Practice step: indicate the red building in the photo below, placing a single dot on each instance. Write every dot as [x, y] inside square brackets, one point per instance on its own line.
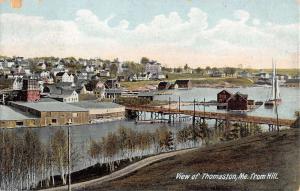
[223, 96]
[30, 90]
[238, 101]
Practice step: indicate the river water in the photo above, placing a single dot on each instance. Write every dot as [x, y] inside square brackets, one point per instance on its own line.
[286, 110]
[81, 135]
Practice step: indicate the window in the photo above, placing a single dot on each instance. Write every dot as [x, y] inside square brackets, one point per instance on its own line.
[54, 121]
[19, 123]
[74, 114]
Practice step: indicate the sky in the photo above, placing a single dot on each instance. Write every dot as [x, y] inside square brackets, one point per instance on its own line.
[200, 33]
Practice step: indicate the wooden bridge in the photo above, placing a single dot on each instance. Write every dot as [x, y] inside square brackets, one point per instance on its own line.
[215, 115]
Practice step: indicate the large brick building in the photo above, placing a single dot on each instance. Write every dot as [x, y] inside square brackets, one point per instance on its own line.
[30, 91]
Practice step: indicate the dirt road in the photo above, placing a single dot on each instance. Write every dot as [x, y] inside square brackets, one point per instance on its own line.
[123, 172]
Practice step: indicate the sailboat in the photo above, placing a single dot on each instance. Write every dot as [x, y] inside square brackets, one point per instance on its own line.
[275, 97]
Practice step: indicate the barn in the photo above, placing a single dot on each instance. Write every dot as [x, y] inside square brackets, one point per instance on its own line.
[184, 84]
[163, 85]
[238, 101]
[223, 96]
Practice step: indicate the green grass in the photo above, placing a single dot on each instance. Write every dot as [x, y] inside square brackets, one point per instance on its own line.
[232, 81]
[195, 81]
[176, 76]
[138, 84]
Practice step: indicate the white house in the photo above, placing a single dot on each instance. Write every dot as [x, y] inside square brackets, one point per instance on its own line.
[27, 70]
[67, 77]
[48, 80]
[144, 76]
[83, 76]
[18, 83]
[99, 90]
[66, 96]
[85, 91]
[104, 73]
[153, 68]
[89, 68]
[64, 77]
[41, 66]
[44, 74]
[9, 63]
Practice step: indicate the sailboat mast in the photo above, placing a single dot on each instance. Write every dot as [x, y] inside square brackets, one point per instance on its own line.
[273, 81]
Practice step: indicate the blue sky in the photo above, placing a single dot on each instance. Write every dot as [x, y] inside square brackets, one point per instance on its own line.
[213, 32]
[139, 11]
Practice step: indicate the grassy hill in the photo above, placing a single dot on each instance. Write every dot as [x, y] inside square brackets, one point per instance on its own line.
[268, 152]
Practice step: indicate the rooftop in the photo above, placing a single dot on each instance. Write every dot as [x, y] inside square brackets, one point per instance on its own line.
[50, 106]
[95, 104]
[8, 113]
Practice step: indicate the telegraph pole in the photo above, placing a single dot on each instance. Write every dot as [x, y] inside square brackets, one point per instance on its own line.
[194, 121]
[179, 104]
[169, 110]
[204, 111]
[69, 158]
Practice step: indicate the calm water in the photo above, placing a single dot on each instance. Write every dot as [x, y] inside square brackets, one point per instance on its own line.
[81, 135]
[290, 99]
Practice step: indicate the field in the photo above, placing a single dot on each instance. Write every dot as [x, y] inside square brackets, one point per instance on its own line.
[195, 81]
[138, 84]
[223, 81]
[269, 152]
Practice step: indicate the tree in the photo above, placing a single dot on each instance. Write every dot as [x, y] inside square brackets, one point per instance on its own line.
[229, 71]
[186, 66]
[199, 70]
[113, 69]
[165, 138]
[144, 60]
[60, 153]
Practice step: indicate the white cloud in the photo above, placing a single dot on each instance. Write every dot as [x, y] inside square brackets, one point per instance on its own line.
[169, 38]
[242, 15]
[256, 22]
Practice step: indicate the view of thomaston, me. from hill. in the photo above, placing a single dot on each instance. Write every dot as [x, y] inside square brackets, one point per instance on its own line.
[149, 95]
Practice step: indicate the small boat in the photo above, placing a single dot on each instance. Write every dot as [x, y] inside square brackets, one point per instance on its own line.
[259, 103]
[275, 97]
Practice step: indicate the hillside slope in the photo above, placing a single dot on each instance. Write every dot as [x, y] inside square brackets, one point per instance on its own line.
[269, 152]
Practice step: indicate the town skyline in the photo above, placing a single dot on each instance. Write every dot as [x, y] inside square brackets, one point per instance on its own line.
[173, 32]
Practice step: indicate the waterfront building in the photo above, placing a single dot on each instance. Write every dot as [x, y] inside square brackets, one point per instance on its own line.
[163, 85]
[101, 110]
[238, 101]
[10, 118]
[222, 98]
[54, 113]
[184, 84]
